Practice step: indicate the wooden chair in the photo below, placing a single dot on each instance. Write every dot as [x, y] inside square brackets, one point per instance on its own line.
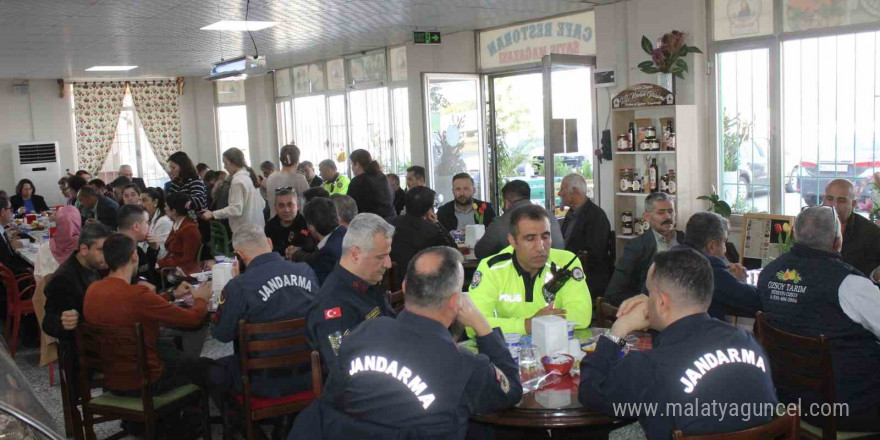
[604, 314]
[802, 363]
[100, 350]
[19, 302]
[396, 300]
[784, 427]
[288, 335]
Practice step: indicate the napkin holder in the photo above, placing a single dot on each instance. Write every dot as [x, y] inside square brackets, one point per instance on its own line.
[550, 334]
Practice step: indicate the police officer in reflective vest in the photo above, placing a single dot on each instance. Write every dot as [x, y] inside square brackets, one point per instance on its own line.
[272, 289]
[704, 375]
[529, 279]
[350, 293]
[334, 182]
[408, 374]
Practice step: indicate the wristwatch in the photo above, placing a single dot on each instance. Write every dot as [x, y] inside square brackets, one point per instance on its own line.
[621, 342]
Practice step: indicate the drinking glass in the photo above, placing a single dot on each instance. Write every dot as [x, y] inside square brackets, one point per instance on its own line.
[528, 362]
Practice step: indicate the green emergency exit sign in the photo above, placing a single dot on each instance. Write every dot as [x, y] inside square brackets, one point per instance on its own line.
[426, 37]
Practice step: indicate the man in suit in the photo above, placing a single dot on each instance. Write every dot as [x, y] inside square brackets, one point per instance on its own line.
[320, 214]
[126, 171]
[97, 208]
[465, 209]
[586, 228]
[515, 194]
[632, 270]
[861, 237]
[417, 229]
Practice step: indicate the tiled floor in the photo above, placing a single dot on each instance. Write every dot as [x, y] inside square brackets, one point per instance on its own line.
[27, 360]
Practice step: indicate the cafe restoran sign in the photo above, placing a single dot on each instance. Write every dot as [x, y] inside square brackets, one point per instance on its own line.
[527, 43]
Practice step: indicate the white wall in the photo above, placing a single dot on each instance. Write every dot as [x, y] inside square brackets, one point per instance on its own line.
[262, 126]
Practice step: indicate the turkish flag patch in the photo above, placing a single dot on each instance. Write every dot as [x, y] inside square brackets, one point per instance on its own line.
[333, 313]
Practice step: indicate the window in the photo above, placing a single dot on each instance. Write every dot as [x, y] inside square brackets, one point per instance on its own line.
[311, 127]
[284, 112]
[131, 147]
[232, 126]
[370, 128]
[338, 131]
[831, 116]
[401, 142]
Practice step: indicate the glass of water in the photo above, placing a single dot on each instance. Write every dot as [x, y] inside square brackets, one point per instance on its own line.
[528, 362]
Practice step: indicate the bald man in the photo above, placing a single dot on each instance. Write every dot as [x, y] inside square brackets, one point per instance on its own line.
[861, 238]
[586, 228]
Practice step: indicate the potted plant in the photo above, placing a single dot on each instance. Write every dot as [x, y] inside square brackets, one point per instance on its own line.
[719, 206]
[667, 58]
[736, 131]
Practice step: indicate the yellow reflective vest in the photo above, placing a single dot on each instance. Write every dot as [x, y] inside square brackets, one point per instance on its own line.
[339, 185]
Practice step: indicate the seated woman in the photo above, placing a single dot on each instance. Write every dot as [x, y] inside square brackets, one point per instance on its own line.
[153, 200]
[184, 240]
[26, 200]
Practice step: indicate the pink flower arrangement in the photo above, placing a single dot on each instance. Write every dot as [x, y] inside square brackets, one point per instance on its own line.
[669, 56]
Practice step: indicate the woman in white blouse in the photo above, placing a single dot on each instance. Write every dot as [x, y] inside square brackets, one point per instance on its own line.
[153, 200]
[245, 202]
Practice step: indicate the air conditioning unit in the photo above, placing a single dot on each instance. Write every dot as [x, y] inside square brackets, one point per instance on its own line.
[39, 162]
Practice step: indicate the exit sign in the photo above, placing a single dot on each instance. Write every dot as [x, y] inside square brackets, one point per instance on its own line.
[426, 37]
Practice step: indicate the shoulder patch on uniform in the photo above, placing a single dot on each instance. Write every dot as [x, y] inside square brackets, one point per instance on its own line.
[339, 184]
[222, 299]
[501, 378]
[333, 313]
[578, 274]
[373, 313]
[478, 276]
[498, 259]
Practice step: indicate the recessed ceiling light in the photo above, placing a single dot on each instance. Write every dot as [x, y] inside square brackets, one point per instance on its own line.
[239, 25]
[109, 68]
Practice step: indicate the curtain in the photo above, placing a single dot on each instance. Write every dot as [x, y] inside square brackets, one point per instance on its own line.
[96, 109]
[158, 110]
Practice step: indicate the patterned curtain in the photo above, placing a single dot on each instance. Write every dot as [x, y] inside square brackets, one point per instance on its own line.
[157, 108]
[96, 109]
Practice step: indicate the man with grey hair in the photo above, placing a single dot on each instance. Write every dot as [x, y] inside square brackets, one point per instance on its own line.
[272, 289]
[351, 293]
[346, 208]
[586, 228]
[631, 271]
[811, 291]
[416, 350]
[126, 171]
[861, 237]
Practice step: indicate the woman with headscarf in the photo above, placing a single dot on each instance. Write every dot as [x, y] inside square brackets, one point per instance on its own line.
[51, 254]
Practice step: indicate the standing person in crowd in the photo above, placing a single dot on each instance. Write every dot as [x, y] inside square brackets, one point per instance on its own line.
[706, 232]
[449, 384]
[369, 188]
[515, 194]
[631, 271]
[128, 172]
[210, 180]
[415, 177]
[399, 193]
[131, 195]
[811, 291]
[680, 291]
[26, 200]
[351, 293]
[255, 297]
[267, 168]
[334, 181]
[465, 209]
[184, 240]
[153, 200]
[417, 229]
[288, 230]
[307, 169]
[287, 177]
[74, 184]
[586, 228]
[245, 203]
[185, 179]
[320, 215]
[346, 208]
[97, 208]
[202, 168]
[861, 237]
[113, 301]
[134, 223]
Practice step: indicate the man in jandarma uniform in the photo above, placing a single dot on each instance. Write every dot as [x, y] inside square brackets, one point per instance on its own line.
[509, 287]
[405, 377]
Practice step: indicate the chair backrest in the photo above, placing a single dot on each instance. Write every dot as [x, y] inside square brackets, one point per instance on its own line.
[281, 344]
[14, 295]
[113, 351]
[605, 314]
[799, 363]
[396, 299]
[219, 242]
[785, 427]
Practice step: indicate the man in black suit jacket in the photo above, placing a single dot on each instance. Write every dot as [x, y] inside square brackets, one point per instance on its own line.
[632, 270]
[320, 214]
[586, 228]
[861, 237]
[97, 207]
[465, 205]
[126, 171]
[416, 230]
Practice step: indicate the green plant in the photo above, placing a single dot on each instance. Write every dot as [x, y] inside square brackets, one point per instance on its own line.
[669, 56]
[719, 206]
[735, 132]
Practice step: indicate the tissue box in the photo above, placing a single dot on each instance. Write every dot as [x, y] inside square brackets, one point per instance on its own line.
[550, 334]
[473, 234]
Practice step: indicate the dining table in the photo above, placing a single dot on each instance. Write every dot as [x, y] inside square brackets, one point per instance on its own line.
[29, 251]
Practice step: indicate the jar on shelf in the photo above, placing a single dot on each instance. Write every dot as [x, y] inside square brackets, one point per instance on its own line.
[671, 184]
[653, 144]
[626, 179]
[623, 143]
[664, 183]
[637, 183]
[637, 228]
[626, 221]
[650, 132]
[645, 225]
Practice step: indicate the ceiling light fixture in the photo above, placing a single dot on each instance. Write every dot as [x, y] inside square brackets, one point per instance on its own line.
[110, 68]
[239, 25]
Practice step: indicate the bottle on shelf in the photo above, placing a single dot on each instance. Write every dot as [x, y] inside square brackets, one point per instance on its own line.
[632, 136]
[670, 137]
[653, 176]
